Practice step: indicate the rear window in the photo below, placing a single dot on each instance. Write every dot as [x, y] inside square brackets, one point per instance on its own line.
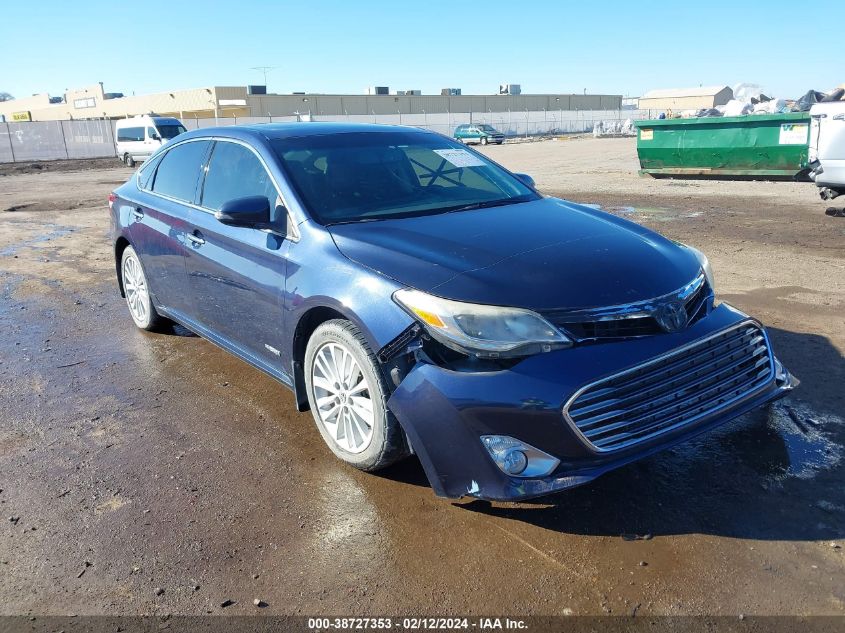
[179, 170]
[128, 134]
[146, 173]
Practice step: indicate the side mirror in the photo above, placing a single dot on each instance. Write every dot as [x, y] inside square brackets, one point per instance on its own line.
[252, 211]
[155, 137]
[526, 179]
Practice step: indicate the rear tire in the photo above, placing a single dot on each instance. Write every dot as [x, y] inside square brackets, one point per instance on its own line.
[128, 160]
[348, 396]
[137, 292]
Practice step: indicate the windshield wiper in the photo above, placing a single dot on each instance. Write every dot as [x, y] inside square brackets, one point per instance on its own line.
[484, 205]
[423, 212]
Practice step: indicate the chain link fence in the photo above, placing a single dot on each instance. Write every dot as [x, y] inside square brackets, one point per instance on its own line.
[55, 140]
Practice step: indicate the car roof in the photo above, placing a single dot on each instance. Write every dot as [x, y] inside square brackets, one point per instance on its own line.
[274, 131]
[144, 119]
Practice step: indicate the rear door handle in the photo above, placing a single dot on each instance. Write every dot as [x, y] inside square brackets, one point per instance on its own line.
[839, 117]
[196, 238]
[138, 213]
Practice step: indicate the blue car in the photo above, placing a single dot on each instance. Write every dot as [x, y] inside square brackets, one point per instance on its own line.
[422, 300]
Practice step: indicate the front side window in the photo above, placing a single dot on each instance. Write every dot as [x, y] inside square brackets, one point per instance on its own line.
[171, 131]
[234, 171]
[129, 134]
[151, 133]
[179, 170]
[361, 176]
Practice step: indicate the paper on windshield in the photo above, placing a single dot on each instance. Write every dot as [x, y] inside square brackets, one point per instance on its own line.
[460, 157]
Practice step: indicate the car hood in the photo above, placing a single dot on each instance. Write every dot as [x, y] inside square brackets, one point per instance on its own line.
[544, 254]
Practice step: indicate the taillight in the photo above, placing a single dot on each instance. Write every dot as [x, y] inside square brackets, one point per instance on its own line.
[112, 198]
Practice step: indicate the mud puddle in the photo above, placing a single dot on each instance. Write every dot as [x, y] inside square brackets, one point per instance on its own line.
[52, 231]
[807, 440]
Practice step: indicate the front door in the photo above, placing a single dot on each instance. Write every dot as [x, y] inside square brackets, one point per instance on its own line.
[237, 274]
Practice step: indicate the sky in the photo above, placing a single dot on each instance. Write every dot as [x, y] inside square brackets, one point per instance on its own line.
[606, 47]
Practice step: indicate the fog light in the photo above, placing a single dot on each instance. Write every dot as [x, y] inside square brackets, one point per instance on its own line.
[518, 459]
[514, 461]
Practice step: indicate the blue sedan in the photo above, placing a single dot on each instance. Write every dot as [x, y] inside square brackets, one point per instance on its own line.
[419, 299]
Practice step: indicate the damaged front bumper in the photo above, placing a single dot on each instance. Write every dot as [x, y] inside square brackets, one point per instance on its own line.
[445, 412]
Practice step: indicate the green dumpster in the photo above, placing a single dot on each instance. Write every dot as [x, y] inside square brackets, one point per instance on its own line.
[769, 145]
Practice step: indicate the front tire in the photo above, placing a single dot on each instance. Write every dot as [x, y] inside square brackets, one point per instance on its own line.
[137, 292]
[348, 396]
[484, 140]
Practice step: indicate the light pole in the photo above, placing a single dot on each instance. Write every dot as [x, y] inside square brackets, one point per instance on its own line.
[560, 114]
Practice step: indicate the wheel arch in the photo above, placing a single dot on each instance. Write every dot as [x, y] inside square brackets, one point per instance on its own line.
[308, 322]
[120, 245]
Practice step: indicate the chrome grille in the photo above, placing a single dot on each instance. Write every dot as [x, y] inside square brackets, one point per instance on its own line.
[631, 320]
[672, 390]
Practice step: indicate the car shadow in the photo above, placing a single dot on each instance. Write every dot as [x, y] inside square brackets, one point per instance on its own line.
[179, 330]
[773, 474]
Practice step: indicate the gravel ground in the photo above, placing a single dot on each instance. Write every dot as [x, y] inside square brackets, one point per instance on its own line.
[155, 474]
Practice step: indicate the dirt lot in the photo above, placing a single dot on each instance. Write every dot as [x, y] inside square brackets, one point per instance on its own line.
[131, 462]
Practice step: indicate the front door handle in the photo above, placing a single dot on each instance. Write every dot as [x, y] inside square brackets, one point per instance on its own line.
[138, 213]
[839, 117]
[196, 238]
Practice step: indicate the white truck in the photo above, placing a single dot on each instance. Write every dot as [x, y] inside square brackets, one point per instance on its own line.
[827, 148]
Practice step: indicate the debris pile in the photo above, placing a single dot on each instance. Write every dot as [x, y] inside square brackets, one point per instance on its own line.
[749, 99]
[614, 128]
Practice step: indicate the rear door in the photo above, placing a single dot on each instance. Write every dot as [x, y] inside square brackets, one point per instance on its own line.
[237, 274]
[160, 221]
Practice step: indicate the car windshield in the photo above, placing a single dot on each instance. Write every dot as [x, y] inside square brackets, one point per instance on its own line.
[362, 176]
[170, 131]
[487, 128]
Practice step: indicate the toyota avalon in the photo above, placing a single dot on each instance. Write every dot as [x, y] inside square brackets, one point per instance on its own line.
[420, 299]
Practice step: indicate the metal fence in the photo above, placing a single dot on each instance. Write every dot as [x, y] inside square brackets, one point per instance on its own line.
[53, 140]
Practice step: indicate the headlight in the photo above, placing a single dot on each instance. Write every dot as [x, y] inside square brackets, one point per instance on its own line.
[705, 266]
[481, 330]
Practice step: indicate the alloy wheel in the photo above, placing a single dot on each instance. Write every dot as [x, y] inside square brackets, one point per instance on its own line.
[342, 395]
[135, 288]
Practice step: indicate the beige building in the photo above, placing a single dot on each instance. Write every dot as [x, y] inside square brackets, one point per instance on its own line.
[686, 98]
[93, 103]
[235, 101]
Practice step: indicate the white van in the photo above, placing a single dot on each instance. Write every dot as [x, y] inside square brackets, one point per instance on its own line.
[827, 148]
[138, 137]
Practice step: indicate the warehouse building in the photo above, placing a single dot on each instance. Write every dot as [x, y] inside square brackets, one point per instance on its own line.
[686, 98]
[93, 102]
